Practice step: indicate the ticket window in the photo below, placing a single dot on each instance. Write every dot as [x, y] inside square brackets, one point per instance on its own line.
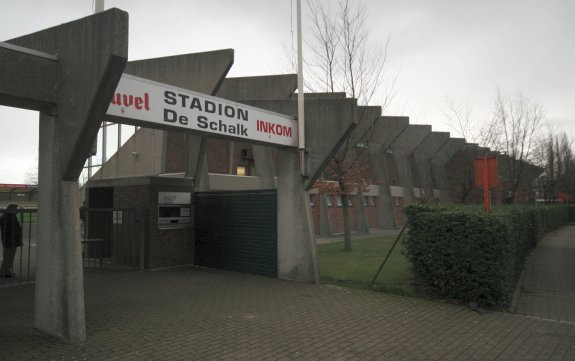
[174, 209]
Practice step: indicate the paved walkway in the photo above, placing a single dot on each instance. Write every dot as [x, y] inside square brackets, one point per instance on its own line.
[202, 314]
[547, 288]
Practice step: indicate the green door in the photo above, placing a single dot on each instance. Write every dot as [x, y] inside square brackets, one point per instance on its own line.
[237, 231]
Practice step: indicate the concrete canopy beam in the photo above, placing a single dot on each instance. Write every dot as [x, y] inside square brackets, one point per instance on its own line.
[387, 129]
[92, 53]
[270, 87]
[452, 146]
[29, 78]
[176, 152]
[202, 72]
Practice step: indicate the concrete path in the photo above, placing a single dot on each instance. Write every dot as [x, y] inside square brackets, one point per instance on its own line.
[547, 287]
[202, 314]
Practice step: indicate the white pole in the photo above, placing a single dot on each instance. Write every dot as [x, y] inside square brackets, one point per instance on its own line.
[300, 94]
[99, 7]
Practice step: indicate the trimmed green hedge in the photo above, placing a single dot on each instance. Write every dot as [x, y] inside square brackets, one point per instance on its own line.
[462, 253]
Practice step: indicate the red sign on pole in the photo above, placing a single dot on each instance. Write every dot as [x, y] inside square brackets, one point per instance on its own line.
[489, 165]
[486, 177]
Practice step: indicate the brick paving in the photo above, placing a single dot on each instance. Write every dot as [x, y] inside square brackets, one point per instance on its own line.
[203, 314]
[547, 288]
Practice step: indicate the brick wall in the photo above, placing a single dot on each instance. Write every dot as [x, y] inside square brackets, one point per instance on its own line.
[163, 247]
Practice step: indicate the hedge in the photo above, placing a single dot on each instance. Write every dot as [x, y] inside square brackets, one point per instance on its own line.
[462, 253]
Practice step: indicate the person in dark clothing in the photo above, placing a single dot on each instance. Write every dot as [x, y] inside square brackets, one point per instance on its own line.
[11, 233]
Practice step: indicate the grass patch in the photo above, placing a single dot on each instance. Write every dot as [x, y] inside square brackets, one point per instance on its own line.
[357, 268]
[28, 217]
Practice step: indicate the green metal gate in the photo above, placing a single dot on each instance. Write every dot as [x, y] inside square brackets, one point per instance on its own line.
[237, 231]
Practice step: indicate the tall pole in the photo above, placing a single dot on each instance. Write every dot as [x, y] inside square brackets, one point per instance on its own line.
[300, 94]
[99, 6]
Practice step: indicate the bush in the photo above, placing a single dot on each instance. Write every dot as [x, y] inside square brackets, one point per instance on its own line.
[463, 254]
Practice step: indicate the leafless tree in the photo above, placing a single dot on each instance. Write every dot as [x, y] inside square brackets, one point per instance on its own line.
[343, 59]
[513, 131]
[555, 155]
[459, 118]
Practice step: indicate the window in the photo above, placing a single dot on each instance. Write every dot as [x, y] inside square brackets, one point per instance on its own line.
[365, 201]
[372, 201]
[349, 202]
[339, 202]
[329, 200]
[312, 200]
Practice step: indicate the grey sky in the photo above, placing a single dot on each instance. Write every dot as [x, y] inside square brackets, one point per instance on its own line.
[464, 49]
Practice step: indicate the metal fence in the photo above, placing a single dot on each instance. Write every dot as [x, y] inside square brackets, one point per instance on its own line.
[113, 237]
[18, 263]
[110, 238]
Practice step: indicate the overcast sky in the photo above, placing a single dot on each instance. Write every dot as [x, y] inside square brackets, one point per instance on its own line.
[462, 49]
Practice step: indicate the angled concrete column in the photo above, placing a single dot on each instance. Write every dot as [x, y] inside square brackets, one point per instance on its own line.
[402, 148]
[91, 55]
[386, 130]
[296, 240]
[196, 162]
[328, 123]
[438, 164]
[421, 162]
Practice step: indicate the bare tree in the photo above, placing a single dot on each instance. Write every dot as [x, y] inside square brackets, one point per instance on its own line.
[513, 131]
[458, 117]
[343, 59]
[555, 155]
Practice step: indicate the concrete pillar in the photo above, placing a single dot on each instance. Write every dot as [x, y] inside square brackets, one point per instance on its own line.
[324, 224]
[296, 239]
[421, 158]
[386, 215]
[386, 131]
[402, 148]
[362, 221]
[59, 306]
[265, 168]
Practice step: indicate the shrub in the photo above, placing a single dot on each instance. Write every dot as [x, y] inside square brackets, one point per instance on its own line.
[463, 254]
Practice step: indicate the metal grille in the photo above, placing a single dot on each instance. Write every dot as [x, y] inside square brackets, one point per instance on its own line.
[237, 231]
[113, 237]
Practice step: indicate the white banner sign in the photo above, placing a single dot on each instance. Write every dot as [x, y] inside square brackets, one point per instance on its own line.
[166, 105]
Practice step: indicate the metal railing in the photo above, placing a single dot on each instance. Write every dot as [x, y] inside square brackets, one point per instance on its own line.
[110, 238]
[22, 258]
